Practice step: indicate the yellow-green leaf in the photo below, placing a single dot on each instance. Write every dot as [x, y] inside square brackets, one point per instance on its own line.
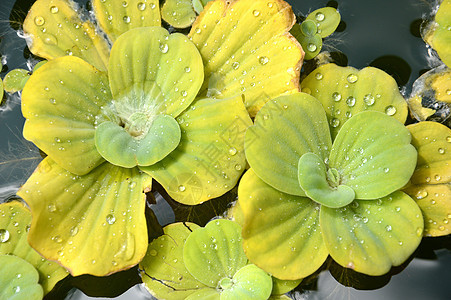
[326, 19]
[15, 80]
[56, 29]
[281, 232]
[372, 236]
[178, 13]
[116, 17]
[346, 91]
[60, 102]
[91, 224]
[247, 49]
[164, 272]
[15, 221]
[210, 157]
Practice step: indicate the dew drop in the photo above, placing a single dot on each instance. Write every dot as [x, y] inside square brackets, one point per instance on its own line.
[419, 231]
[311, 47]
[183, 93]
[336, 96]
[448, 139]
[238, 167]
[164, 48]
[235, 65]
[256, 13]
[369, 99]
[126, 19]
[39, 21]
[437, 177]
[110, 219]
[52, 100]
[263, 60]
[141, 6]
[74, 231]
[386, 170]
[319, 76]
[187, 69]
[232, 151]
[4, 235]
[352, 78]
[182, 188]
[390, 110]
[388, 228]
[441, 150]
[320, 17]
[51, 207]
[441, 228]
[334, 122]
[124, 3]
[16, 289]
[54, 9]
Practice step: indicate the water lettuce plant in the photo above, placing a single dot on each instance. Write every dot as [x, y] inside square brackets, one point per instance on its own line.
[189, 262]
[316, 194]
[113, 121]
[32, 268]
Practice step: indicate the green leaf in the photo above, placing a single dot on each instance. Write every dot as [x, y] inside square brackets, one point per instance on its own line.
[306, 34]
[280, 287]
[214, 252]
[281, 232]
[320, 185]
[60, 102]
[15, 80]
[15, 220]
[179, 14]
[438, 34]
[18, 279]
[39, 64]
[246, 49]
[210, 157]
[373, 155]
[55, 29]
[117, 17]
[293, 125]
[250, 282]
[91, 224]
[372, 236]
[345, 91]
[118, 147]
[205, 294]
[165, 274]
[199, 5]
[326, 19]
[432, 141]
[153, 72]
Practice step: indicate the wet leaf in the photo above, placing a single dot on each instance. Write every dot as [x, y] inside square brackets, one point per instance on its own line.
[165, 274]
[311, 42]
[215, 252]
[18, 279]
[280, 287]
[432, 141]
[430, 181]
[438, 35]
[199, 5]
[345, 91]
[15, 80]
[15, 220]
[373, 155]
[292, 125]
[281, 232]
[60, 102]
[91, 224]
[39, 64]
[372, 236]
[56, 30]
[321, 185]
[179, 14]
[417, 109]
[247, 49]
[206, 293]
[210, 157]
[250, 282]
[326, 19]
[155, 72]
[118, 147]
[117, 17]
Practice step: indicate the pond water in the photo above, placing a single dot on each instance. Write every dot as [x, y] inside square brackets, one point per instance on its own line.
[384, 34]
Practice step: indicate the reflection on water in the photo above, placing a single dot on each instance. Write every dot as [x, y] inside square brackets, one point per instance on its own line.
[384, 34]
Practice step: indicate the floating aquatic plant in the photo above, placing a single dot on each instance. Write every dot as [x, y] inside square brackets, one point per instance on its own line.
[317, 25]
[16, 79]
[190, 262]
[15, 221]
[311, 196]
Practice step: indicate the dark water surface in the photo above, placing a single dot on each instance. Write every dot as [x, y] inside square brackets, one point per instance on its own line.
[383, 33]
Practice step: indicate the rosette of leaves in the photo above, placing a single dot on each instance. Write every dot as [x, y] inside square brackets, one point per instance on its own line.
[438, 33]
[189, 262]
[102, 132]
[430, 183]
[317, 25]
[23, 272]
[313, 194]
